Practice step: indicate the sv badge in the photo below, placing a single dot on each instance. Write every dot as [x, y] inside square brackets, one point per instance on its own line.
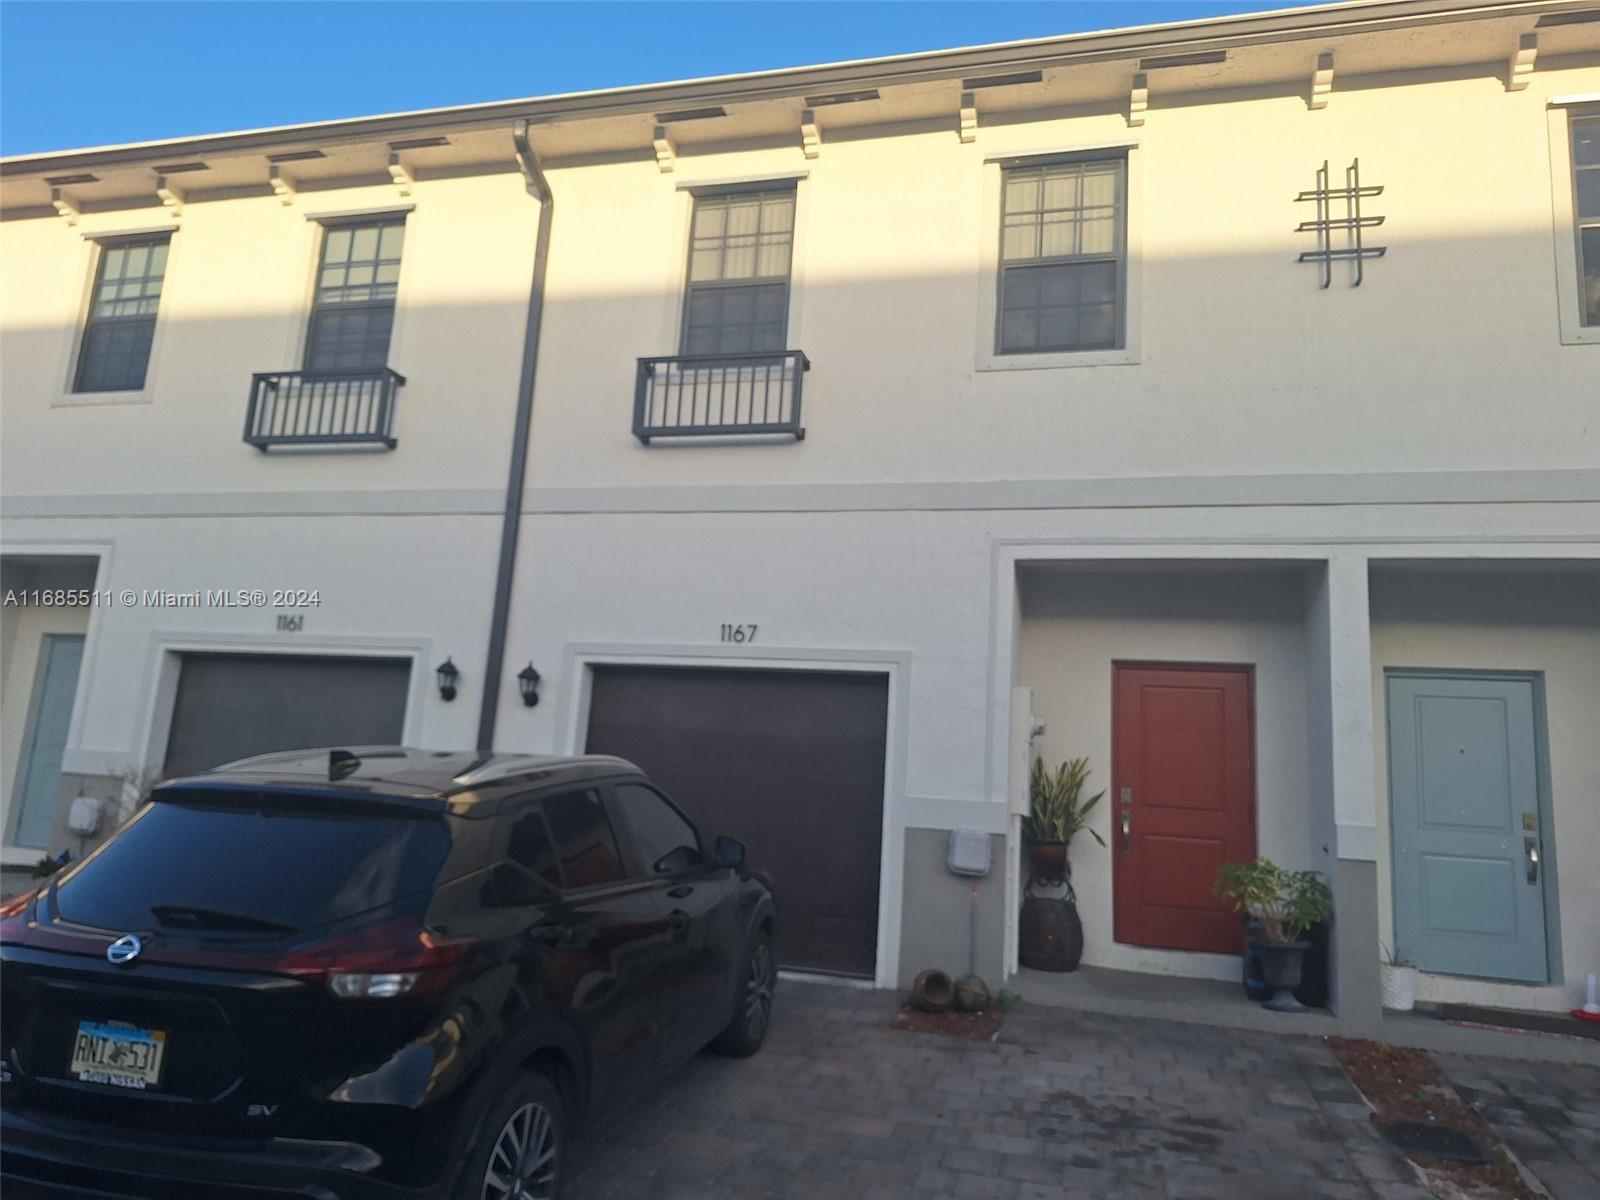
[260, 1110]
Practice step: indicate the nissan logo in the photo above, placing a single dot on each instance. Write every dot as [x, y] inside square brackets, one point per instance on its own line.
[124, 950]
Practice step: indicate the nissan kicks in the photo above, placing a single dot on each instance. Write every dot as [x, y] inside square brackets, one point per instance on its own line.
[367, 973]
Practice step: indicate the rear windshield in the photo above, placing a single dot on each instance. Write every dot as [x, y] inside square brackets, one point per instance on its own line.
[235, 869]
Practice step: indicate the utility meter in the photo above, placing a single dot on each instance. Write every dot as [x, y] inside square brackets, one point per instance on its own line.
[969, 852]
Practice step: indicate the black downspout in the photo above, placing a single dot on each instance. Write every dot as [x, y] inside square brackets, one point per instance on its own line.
[511, 523]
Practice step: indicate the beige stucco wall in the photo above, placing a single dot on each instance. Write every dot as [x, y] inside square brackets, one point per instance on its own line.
[1543, 619]
[236, 300]
[1077, 622]
[1244, 365]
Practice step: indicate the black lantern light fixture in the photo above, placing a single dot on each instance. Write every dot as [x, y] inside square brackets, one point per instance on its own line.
[528, 683]
[448, 673]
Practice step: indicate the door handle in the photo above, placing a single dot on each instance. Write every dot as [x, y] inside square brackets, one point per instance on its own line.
[678, 922]
[1530, 847]
[682, 890]
[551, 935]
[1127, 828]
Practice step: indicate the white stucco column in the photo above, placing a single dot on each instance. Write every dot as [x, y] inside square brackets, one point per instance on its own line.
[1349, 634]
[1340, 676]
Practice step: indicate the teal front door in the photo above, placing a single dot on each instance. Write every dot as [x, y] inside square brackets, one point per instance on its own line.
[1465, 815]
[39, 782]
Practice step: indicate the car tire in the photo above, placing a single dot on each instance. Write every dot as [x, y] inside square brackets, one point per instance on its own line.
[752, 1011]
[520, 1147]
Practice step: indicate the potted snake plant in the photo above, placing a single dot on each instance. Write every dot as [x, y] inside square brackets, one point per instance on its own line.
[1057, 811]
[1283, 905]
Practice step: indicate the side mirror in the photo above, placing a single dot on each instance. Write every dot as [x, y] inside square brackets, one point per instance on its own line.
[509, 886]
[679, 858]
[730, 852]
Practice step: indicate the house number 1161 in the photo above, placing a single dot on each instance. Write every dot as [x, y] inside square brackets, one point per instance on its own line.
[739, 633]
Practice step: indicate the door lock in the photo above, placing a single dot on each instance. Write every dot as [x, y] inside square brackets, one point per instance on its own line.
[1530, 847]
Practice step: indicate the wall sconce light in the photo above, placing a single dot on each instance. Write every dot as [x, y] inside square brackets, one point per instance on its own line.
[448, 673]
[528, 683]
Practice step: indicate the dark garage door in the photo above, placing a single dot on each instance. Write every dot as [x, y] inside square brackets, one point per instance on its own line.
[791, 763]
[233, 705]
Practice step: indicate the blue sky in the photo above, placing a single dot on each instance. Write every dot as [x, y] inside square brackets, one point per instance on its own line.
[90, 73]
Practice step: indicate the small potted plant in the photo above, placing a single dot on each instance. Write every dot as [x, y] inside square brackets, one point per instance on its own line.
[1397, 982]
[1057, 811]
[1284, 905]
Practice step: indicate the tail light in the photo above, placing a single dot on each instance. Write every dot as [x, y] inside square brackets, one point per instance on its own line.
[14, 918]
[380, 962]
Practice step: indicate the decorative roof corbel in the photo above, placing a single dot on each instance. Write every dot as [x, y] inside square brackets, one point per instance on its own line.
[1520, 72]
[171, 196]
[666, 152]
[66, 206]
[1322, 80]
[810, 135]
[400, 173]
[969, 117]
[1138, 99]
[282, 186]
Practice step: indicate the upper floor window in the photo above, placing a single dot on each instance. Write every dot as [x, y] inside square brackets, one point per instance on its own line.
[352, 314]
[1063, 238]
[739, 254]
[1586, 192]
[115, 352]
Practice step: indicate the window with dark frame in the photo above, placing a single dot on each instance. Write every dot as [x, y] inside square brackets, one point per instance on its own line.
[115, 353]
[740, 247]
[352, 312]
[1586, 209]
[1063, 238]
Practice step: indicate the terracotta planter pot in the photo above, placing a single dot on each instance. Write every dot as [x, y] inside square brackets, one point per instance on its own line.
[1047, 862]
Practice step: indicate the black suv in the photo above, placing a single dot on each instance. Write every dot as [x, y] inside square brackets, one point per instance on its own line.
[369, 973]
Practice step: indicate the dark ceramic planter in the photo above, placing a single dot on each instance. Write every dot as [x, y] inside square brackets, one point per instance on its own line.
[1280, 970]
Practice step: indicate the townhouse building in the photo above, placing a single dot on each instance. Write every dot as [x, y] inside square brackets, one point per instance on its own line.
[1217, 400]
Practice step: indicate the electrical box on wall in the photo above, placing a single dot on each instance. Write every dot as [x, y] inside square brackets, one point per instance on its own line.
[83, 816]
[969, 852]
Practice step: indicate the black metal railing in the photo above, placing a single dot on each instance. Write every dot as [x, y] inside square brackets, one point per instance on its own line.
[322, 408]
[719, 395]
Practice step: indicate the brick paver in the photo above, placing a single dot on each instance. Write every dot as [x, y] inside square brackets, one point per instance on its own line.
[1064, 1106]
[1548, 1116]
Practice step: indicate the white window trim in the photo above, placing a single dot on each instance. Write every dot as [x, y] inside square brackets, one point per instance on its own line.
[988, 290]
[1564, 220]
[93, 247]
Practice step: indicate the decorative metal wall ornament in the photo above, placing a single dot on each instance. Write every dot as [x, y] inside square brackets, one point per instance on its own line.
[1352, 223]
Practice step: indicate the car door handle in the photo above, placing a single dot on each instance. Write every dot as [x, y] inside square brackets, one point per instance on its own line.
[682, 890]
[1530, 847]
[1127, 829]
[678, 922]
[551, 935]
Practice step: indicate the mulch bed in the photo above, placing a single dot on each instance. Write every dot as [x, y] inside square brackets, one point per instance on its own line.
[1404, 1086]
[974, 1027]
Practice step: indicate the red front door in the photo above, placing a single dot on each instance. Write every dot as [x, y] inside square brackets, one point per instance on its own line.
[1183, 801]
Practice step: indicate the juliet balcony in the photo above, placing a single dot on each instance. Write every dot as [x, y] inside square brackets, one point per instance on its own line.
[720, 396]
[322, 409]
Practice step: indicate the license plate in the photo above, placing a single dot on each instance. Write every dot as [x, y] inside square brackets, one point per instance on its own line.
[117, 1054]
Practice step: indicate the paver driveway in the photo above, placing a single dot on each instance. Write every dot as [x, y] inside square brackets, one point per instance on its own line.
[1066, 1105]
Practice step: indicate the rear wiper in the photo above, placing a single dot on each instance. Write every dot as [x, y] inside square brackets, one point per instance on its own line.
[188, 916]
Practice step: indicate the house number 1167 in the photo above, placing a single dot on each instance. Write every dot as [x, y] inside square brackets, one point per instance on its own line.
[739, 633]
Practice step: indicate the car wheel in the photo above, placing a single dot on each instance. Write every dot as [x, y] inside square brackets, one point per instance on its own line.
[521, 1146]
[758, 977]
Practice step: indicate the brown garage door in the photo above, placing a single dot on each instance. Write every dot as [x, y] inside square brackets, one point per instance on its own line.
[234, 705]
[791, 763]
